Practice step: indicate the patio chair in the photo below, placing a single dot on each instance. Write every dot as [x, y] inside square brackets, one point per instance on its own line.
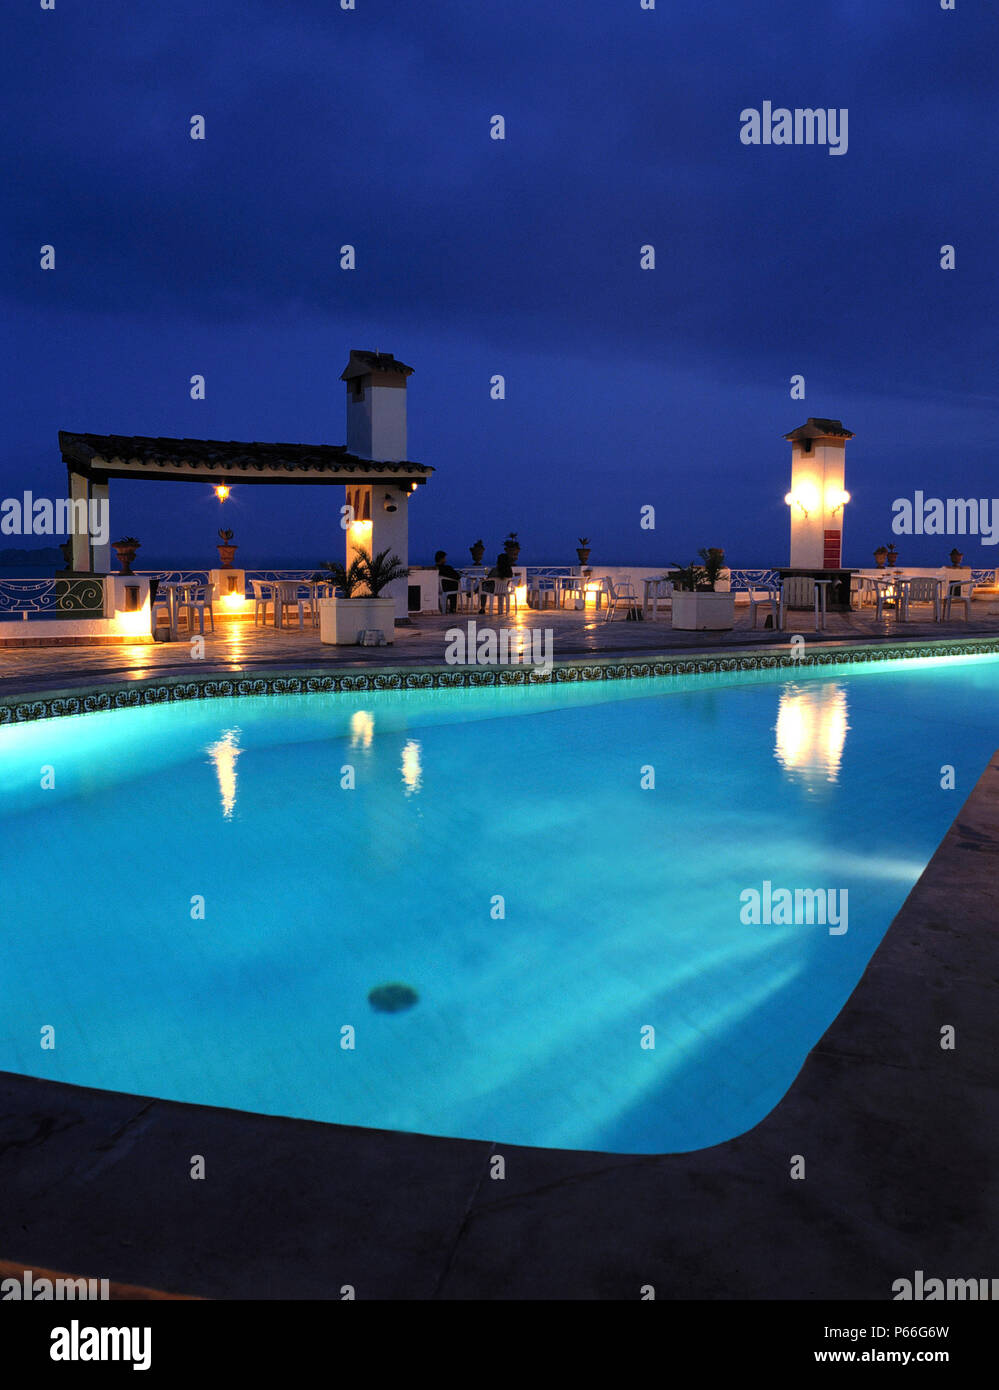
[958, 591]
[198, 599]
[543, 587]
[621, 595]
[920, 589]
[499, 596]
[263, 596]
[659, 591]
[767, 596]
[160, 605]
[799, 591]
[453, 591]
[290, 595]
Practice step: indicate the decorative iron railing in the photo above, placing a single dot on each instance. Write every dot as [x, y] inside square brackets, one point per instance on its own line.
[52, 598]
[742, 580]
[984, 579]
[277, 576]
[176, 576]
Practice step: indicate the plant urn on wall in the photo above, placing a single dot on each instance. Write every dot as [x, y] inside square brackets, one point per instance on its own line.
[956, 558]
[512, 547]
[125, 550]
[583, 550]
[477, 549]
[226, 549]
[880, 555]
[892, 555]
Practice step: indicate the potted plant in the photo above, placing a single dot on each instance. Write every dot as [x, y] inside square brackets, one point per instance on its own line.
[697, 606]
[226, 549]
[583, 550]
[125, 550]
[956, 558]
[880, 556]
[512, 547]
[892, 555]
[343, 618]
[477, 549]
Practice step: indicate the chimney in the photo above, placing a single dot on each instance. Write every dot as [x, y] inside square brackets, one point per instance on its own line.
[376, 406]
[817, 498]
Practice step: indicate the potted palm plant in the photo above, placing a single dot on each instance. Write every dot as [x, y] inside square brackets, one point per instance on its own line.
[512, 547]
[880, 556]
[892, 555]
[477, 549]
[343, 618]
[956, 558]
[226, 549]
[697, 605]
[125, 550]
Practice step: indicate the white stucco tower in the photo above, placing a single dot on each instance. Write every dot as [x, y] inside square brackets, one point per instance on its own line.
[818, 495]
[376, 430]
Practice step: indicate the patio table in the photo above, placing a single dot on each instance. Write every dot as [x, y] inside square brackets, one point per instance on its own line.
[176, 594]
[287, 591]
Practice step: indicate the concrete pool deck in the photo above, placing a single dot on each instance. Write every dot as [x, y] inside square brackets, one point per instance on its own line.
[897, 1134]
[239, 648]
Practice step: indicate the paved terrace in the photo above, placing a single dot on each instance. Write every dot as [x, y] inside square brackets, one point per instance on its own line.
[238, 646]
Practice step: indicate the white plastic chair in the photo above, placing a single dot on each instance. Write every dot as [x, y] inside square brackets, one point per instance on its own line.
[958, 591]
[919, 589]
[798, 591]
[197, 598]
[444, 594]
[768, 596]
[289, 595]
[498, 598]
[543, 587]
[660, 591]
[620, 595]
[263, 596]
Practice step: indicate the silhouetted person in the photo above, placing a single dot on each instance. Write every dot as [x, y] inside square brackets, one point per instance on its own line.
[450, 581]
[503, 569]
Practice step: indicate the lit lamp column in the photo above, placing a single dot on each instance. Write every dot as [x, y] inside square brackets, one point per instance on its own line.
[817, 497]
[377, 431]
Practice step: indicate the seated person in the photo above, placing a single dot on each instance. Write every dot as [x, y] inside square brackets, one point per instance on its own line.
[450, 580]
[503, 569]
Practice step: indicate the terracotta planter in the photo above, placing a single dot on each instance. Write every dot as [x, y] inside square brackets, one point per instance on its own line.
[227, 553]
[956, 558]
[892, 558]
[476, 552]
[513, 551]
[880, 556]
[584, 554]
[126, 554]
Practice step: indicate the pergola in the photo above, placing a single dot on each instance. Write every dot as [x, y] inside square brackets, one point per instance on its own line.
[93, 460]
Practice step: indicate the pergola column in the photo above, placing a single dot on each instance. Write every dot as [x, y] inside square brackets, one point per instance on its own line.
[100, 555]
[79, 543]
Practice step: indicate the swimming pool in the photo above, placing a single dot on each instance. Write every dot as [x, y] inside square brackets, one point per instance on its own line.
[505, 856]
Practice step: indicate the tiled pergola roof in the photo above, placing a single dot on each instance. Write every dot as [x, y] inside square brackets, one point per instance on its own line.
[225, 461]
[816, 428]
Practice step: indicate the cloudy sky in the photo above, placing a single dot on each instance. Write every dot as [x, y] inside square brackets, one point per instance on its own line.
[519, 257]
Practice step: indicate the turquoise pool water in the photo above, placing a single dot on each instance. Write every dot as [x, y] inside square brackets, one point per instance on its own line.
[622, 904]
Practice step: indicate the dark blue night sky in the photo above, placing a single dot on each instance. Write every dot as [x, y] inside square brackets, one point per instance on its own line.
[520, 257]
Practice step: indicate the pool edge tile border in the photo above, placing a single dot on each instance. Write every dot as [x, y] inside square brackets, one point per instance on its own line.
[99, 696]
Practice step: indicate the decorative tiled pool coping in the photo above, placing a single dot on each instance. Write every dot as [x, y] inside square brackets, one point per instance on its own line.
[100, 696]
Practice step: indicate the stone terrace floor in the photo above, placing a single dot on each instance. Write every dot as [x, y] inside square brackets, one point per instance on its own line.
[239, 646]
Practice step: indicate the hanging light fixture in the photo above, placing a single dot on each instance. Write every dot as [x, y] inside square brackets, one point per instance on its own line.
[222, 491]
